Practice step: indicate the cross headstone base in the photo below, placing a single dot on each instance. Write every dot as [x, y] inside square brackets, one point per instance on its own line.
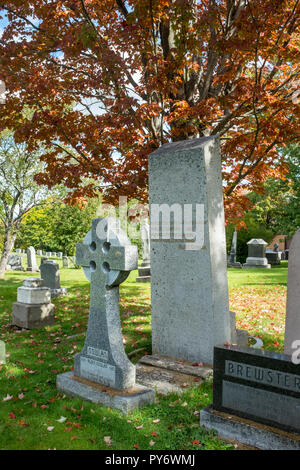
[126, 401]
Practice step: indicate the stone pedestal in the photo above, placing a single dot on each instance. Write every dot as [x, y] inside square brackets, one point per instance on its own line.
[257, 254]
[33, 308]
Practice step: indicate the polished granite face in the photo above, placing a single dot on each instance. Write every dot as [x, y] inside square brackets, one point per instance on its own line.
[263, 386]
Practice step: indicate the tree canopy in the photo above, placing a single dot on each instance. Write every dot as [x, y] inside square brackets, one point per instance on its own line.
[108, 81]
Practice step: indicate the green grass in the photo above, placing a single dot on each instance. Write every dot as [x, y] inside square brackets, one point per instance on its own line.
[30, 405]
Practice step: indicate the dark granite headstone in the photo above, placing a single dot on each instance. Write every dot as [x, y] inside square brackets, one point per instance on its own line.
[262, 386]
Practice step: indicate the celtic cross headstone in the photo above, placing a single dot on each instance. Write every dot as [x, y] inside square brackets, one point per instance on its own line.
[107, 257]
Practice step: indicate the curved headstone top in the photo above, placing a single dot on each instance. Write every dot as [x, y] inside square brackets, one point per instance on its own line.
[257, 241]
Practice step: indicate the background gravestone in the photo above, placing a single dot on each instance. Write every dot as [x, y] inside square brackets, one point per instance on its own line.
[50, 275]
[256, 254]
[232, 262]
[107, 258]
[31, 260]
[33, 308]
[2, 353]
[292, 322]
[65, 261]
[144, 270]
[189, 288]
[14, 262]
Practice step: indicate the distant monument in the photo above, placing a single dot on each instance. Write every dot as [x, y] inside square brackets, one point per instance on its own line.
[144, 271]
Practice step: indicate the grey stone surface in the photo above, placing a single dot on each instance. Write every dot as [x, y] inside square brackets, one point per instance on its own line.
[31, 260]
[44, 259]
[65, 262]
[107, 258]
[145, 236]
[2, 352]
[14, 262]
[273, 257]
[33, 282]
[292, 322]
[248, 432]
[33, 295]
[141, 395]
[39, 252]
[190, 309]
[50, 275]
[32, 316]
[256, 254]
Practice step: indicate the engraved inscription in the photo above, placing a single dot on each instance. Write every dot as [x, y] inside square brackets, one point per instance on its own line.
[96, 352]
[97, 371]
[272, 406]
[262, 375]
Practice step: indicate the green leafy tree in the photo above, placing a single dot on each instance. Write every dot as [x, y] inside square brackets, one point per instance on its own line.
[18, 191]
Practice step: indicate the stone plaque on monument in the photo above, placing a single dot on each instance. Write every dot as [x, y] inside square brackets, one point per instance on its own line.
[189, 287]
[107, 258]
[261, 386]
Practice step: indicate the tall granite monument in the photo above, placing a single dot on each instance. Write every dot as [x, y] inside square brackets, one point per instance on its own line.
[189, 287]
[292, 322]
[102, 372]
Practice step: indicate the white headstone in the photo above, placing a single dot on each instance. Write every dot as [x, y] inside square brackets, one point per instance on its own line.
[292, 322]
[31, 260]
[189, 288]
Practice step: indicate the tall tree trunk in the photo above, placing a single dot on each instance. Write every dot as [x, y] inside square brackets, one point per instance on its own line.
[9, 241]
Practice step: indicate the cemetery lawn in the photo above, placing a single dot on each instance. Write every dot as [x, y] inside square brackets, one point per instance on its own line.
[33, 415]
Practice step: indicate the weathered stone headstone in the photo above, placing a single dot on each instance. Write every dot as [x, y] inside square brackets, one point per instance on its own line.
[107, 258]
[232, 262]
[65, 261]
[44, 259]
[273, 257]
[39, 252]
[2, 353]
[48, 254]
[31, 260]
[18, 250]
[189, 288]
[60, 254]
[33, 308]
[256, 385]
[256, 254]
[292, 321]
[14, 263]
[50, 274]
[144, 271]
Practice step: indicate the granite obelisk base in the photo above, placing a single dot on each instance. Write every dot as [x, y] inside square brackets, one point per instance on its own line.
[125, 401]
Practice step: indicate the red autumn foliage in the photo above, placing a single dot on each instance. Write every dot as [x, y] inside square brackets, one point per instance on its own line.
[120, 78]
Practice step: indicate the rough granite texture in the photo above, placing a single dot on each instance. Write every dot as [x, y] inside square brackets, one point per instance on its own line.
[33, 295]
[292, 322]
[247, 432]
[32, 316]
[190, 309]
[2, 353]
[140, 397]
